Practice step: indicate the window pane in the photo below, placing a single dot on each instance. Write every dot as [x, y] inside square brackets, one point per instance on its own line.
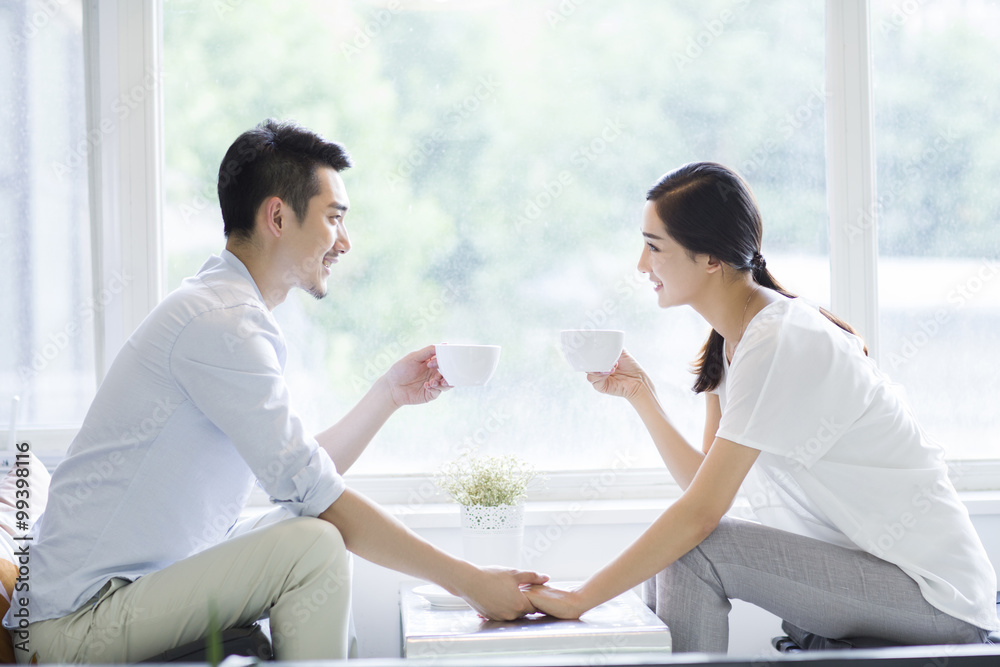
[503, 152]
[47, 343]
[937, 98]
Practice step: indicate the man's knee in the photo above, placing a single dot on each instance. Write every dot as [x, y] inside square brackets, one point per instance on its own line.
[321, 549]
[322, 534]
[306, 533]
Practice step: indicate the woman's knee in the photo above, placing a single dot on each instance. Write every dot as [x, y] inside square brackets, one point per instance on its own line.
[696, 567]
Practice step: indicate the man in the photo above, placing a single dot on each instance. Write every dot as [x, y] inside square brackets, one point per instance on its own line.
[138, 540]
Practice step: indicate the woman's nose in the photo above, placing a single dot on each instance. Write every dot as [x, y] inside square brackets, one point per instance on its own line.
[642, 266]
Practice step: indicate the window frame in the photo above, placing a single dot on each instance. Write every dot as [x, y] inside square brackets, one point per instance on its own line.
[123, 63]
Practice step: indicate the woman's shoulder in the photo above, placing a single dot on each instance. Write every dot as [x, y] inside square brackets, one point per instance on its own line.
[795, 326]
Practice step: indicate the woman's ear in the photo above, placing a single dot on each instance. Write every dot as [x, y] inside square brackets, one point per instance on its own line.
[713, 264]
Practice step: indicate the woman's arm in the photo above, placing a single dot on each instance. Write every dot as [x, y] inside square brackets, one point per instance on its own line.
[679, 529]
[629, 380]
[713, 415]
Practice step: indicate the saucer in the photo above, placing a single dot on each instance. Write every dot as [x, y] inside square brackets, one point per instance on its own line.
[440, 598]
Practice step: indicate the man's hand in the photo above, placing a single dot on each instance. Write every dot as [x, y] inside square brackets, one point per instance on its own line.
[415, 378]
[496, 594]
[554, 602]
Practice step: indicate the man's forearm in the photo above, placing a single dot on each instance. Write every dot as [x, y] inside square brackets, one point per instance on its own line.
[346, 440]
[373, 534]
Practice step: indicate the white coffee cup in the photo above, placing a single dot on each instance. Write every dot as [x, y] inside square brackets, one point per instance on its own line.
[592, 350]
[467, 365]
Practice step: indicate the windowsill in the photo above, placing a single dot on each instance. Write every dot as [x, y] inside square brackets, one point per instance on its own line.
[543, 513]
[632, 497]
[613, 512]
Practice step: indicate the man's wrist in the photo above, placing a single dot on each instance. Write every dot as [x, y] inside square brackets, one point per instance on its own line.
[382, 391]
[462, 577]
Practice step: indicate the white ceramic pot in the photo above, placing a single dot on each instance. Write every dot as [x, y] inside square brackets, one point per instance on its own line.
[493, 535]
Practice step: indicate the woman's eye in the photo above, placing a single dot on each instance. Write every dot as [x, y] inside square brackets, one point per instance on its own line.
[652, 248]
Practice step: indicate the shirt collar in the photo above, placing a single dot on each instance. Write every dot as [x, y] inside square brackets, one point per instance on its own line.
[234, 262]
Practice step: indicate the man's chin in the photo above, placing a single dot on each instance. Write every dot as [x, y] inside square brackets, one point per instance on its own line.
[317, 291]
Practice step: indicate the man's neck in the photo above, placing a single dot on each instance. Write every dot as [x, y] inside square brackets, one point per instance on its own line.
[271, 287]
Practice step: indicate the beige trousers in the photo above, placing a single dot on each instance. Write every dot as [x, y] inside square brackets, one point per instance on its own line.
[297, 570]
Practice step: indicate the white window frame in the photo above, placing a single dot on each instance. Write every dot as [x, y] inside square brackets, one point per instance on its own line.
[123, 66]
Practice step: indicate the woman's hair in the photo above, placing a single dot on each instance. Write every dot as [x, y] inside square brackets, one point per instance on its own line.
[709, 210]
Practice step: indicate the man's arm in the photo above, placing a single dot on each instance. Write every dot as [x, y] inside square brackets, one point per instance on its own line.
[376, 536]
[411, 380]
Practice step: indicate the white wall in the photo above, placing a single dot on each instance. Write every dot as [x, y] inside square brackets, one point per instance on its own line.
[577, 552]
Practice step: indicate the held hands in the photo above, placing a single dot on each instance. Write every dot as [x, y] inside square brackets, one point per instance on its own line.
[415, 378]
[554, 602]
[496, 594]
[625, 379]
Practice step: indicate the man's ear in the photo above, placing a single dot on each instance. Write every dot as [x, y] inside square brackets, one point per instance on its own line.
[273, 213]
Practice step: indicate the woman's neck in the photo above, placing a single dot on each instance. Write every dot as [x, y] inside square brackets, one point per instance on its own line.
[730, 307]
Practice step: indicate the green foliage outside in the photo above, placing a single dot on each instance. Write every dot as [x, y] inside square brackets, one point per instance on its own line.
[502, 154]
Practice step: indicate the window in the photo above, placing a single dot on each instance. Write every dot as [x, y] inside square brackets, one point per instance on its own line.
[47, 305]
[937, 140]
[496, 197]
[503, 151]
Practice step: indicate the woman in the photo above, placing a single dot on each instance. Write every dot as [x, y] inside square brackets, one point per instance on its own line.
[861, 533]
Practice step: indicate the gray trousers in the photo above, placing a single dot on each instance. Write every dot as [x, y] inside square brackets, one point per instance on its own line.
[814, 586]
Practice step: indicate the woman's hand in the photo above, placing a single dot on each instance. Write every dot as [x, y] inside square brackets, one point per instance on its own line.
[625, 379]
[415, 378]
[554, 602]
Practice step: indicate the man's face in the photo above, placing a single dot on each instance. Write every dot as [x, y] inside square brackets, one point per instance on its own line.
[312, 245]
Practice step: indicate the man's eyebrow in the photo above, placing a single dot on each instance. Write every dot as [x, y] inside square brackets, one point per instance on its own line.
[339, 207]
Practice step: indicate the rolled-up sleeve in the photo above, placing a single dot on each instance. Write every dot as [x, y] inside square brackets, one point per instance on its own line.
[228, 362]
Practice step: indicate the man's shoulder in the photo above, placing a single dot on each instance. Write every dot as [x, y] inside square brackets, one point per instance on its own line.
[215, 297]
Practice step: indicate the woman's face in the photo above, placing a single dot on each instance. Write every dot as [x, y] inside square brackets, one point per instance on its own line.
[676, 277]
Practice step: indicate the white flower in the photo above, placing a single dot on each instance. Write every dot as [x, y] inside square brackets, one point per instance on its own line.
[486, 480]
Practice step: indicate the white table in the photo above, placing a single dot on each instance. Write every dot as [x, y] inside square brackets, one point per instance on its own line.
[619, 626]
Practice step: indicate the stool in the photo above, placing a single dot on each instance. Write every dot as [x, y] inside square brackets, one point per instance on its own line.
[797, 640]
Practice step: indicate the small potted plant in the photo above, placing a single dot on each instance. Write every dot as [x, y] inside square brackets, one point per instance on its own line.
[491, 492]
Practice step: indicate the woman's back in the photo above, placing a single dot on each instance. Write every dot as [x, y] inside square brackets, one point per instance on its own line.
[843, 459]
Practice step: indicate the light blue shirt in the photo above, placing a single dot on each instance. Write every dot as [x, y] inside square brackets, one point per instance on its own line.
[192, 412]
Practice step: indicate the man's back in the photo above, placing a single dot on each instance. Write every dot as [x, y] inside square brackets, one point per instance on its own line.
[152, 476]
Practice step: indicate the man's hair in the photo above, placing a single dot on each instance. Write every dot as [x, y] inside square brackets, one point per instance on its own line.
[274, 159]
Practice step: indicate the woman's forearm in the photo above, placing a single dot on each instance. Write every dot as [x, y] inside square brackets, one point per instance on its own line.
[678, 530]
[681, 458]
